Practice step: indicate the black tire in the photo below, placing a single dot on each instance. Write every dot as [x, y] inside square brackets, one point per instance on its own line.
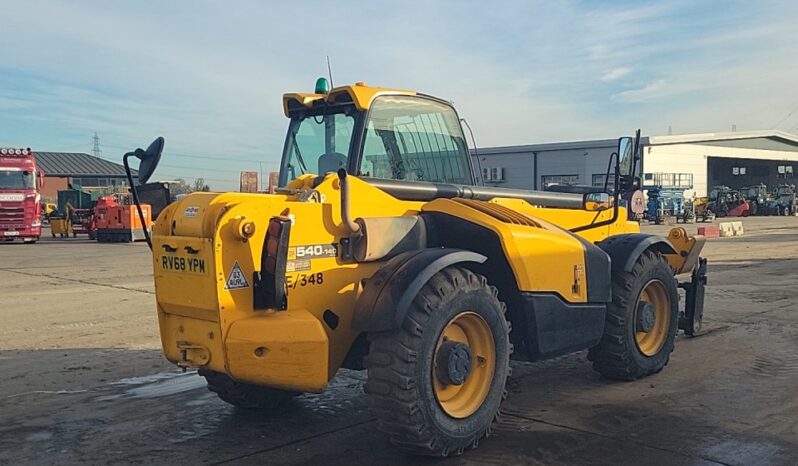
[244, 395]
[401, 364]
[618, 356]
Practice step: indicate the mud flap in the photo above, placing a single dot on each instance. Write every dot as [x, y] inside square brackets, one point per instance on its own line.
[691, 318]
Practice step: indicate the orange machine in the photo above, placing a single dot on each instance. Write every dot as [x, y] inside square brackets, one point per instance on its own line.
[119, 223]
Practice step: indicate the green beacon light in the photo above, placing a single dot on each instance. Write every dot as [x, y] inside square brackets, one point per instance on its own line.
[322, 86]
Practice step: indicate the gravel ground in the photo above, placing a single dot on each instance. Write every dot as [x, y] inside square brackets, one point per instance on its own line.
[85, 380]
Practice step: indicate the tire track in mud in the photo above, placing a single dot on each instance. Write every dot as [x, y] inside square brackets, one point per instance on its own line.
[75, 280]
[737, 409]
[564, 444]
[320, 435]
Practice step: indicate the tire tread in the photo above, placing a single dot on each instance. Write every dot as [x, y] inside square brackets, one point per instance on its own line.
[391, 365]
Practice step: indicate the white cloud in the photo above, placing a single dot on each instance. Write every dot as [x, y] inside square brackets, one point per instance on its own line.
[209, 76]
[615, 73]
[650, 91]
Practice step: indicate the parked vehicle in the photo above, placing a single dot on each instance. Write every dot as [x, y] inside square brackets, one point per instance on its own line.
[664, 204]
[702, 210]
[758, 198]
[784, 200]
[354, 262]
[689, 215]
[20, 201]
[727, 202]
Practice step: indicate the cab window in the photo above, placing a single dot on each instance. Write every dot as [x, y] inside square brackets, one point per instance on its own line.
[318, 144]
[414, 139]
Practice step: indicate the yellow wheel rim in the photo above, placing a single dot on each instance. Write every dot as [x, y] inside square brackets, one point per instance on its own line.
[650, 342]
[463, 400]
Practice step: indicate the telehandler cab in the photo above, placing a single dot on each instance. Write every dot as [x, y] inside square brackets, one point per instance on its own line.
[381, 252]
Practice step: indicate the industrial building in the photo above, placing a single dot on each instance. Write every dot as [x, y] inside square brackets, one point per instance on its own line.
[64, 170]
[694, 162]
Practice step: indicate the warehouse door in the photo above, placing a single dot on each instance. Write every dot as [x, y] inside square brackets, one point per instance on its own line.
[736, 173]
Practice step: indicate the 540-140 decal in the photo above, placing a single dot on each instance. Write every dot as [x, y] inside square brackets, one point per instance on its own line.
[313, 251]
[299, 257]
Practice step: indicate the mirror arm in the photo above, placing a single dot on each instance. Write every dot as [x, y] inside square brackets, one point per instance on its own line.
[610, 221]
[135, 193]
[636, 150]
[616, 195]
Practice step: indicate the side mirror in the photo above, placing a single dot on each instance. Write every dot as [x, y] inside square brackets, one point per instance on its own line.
[41, 178]
[596, 202]
[148, 163]
[625, 149]
[149, 159]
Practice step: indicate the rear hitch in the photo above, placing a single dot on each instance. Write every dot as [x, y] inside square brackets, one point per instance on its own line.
[192, 355]
[691, 319]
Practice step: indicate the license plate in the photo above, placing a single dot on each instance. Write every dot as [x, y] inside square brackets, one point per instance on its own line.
[184, 264]
[10, 233]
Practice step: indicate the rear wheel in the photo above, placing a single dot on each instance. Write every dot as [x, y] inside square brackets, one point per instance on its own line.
[436, 383]
[642, 321]
[244, 395]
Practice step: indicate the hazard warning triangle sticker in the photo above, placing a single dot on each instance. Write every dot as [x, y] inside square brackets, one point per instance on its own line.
[236, 280]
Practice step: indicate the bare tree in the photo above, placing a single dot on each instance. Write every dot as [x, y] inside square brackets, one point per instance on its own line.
[180, 187]
[199, 185]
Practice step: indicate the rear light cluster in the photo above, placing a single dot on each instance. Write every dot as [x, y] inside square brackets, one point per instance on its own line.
[271, 289]
[8, 151]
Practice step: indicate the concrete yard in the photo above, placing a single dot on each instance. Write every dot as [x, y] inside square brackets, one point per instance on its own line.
[83, 379]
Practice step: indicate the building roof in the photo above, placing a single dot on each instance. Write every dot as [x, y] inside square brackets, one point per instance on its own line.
[776, 138]
[527, 148]
[728, 136]
[77, 164]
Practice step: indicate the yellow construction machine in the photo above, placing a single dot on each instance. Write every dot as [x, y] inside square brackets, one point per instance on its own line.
[381, 251]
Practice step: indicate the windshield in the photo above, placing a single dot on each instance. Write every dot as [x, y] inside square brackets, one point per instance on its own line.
[317, 144]
[415, 139]
[16, 179]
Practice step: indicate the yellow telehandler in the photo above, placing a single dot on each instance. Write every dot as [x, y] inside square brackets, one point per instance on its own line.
[381, 251]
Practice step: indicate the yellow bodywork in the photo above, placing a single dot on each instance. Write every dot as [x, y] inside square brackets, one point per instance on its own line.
[198, 247]
[61, 227]
[48, 208]
[361, 94]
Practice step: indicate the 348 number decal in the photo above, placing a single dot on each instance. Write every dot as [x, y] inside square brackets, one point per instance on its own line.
[305, 279]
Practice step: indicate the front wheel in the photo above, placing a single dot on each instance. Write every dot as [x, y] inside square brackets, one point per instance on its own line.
[642, 321]
[436, 383]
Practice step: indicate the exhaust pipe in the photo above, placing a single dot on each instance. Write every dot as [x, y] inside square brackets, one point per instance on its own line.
[354, 227]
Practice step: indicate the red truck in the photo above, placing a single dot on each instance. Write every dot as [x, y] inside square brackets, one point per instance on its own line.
[20, 201]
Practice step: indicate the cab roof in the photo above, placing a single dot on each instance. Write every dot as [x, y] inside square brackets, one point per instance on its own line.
[360, 94]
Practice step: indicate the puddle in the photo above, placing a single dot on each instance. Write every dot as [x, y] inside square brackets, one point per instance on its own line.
[39, 437]
[152, 378]
[746, 452]
[156, 385]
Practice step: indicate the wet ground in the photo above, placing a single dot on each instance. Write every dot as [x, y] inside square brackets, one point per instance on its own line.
[83, 380]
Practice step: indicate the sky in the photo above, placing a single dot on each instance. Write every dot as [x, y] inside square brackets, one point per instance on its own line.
[208, 75]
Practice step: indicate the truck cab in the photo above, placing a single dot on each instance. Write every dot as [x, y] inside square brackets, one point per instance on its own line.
[374, 133]
[20, 201]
